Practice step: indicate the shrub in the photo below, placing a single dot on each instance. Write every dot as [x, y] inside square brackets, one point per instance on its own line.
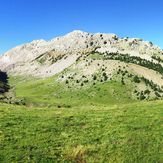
[142, 97]
[91, 43]
[136, 79]
[94, 77]
[146, 91]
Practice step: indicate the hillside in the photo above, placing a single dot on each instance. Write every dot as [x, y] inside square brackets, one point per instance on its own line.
[81, 60]
[82, 98]
[47, 58]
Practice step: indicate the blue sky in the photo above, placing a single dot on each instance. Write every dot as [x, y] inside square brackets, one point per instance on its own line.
[22, 21]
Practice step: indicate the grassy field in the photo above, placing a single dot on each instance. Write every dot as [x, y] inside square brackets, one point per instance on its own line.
[126, 133]
[93, 124]
[49, 92]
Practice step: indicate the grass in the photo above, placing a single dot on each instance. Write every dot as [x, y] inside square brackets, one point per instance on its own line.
[93, 124]
[126, 133]
[49, 92]
[96, 56]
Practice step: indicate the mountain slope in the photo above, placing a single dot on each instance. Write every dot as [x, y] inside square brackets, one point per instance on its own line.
[82, 61]
[47, 58]
[81, 95]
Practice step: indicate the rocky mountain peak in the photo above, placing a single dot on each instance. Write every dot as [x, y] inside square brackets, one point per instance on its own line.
[77, 32]
[61, 52]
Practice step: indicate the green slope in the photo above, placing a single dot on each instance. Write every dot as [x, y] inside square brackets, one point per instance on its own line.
[120, 133]
[101, 123]
[43, 92]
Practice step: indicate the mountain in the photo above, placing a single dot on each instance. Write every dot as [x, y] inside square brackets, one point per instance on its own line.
[82, 98]
[82, 60]
[46, 58]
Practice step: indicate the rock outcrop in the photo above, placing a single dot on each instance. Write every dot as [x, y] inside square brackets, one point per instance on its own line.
[46, 58]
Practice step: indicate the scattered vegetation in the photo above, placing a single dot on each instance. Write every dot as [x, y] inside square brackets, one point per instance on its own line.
[129, 59]
[49, 92]
[157, 58]
[50, 58]
[101, 123]
[136, 60]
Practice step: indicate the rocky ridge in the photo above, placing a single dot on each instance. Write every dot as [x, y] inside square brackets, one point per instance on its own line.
[46, 58]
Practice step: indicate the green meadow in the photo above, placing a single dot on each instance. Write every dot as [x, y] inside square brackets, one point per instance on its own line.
[95, 124]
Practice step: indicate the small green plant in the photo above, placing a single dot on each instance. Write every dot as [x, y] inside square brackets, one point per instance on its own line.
[136, 79]
[94, 77]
